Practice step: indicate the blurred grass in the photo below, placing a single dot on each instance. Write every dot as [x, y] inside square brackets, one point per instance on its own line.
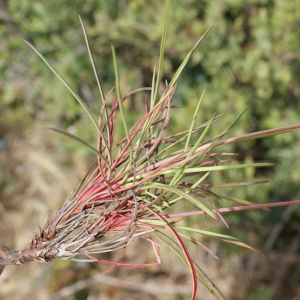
[251, 56]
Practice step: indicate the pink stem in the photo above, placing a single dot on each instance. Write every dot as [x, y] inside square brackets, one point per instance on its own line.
[229, 209]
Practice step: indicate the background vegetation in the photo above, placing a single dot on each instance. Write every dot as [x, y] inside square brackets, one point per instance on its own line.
[250, 57]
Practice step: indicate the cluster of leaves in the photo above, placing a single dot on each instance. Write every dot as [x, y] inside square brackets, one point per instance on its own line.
[140, 176]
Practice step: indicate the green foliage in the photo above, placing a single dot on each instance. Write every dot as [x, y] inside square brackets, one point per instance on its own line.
[263, 293]
[250, 57]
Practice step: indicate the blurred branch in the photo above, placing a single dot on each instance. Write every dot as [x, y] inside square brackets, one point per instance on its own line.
[146, 287]
[277, 229]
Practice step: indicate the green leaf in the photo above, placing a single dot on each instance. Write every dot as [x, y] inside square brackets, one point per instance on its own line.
[76, 96]
[184, 195]
[208, 233]
[74, 137]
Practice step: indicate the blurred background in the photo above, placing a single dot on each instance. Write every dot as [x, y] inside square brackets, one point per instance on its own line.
[250, 57]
